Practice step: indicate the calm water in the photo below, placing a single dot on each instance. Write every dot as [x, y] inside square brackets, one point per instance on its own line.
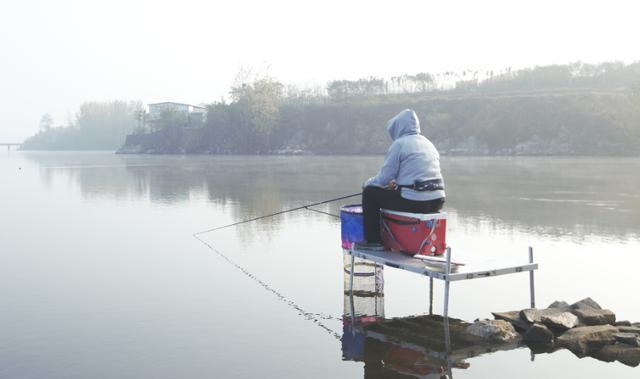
[101, 277]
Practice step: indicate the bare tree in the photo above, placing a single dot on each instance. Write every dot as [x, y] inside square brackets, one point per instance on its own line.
[46, 122]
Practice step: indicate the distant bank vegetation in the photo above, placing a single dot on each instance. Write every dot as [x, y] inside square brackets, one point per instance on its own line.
[576, 109]
[96, 126]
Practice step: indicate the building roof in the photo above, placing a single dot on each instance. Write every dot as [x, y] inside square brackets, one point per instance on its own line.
[171, 102]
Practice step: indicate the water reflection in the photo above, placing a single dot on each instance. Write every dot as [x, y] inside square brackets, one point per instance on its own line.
[555, 197]
[407, 347]
[548, 196]
[431, 346]
[109, 196]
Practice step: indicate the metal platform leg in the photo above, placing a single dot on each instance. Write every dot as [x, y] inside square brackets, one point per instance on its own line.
[430, 296]
[447, 335]
[532, 290]
[352, 307]
[353, 258]
[447, 347]
[446, 283]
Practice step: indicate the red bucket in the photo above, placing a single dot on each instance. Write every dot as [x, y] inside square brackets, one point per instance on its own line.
[414, 233]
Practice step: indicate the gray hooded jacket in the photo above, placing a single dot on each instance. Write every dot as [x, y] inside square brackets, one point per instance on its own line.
[411, 157]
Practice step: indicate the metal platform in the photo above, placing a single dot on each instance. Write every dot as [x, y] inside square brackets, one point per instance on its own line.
[448, 271]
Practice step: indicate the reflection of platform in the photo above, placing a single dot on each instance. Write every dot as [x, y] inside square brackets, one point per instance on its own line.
[424, 334]
[426, 346]
[448, 271]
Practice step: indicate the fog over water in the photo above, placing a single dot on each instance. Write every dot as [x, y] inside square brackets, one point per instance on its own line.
[101, 276]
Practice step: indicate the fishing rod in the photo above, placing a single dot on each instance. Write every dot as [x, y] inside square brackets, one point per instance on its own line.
[280, 212]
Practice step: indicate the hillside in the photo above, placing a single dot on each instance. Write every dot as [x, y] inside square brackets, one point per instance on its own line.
[559, 122]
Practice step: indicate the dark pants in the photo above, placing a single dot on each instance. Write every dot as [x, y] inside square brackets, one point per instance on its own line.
[374, 198]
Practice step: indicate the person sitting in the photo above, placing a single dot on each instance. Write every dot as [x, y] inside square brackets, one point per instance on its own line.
[409, 180]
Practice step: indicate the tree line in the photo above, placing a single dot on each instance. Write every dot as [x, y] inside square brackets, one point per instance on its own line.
[560, 109]
[96, 126]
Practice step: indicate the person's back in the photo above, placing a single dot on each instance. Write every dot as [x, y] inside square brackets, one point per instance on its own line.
[409, 180]
[419, 161]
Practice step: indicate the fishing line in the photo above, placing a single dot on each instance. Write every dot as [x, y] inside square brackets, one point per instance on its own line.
[316, 318]
[323, 212]
[278, 213]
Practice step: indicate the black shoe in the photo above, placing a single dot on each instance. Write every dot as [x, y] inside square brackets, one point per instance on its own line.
[364, 245]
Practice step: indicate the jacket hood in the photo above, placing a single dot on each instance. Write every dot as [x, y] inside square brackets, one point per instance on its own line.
[403, 124]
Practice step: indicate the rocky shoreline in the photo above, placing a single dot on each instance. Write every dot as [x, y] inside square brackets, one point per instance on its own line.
[584, 328]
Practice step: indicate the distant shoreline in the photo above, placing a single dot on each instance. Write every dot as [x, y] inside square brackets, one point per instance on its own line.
[577, 109]
[442, 154]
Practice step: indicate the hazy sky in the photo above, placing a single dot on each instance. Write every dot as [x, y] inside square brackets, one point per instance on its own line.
[56, 54]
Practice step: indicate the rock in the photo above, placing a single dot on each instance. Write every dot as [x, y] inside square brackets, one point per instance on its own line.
[622, 323]
[561, 321]
[561, 305]
[630, 356]
[586, 303]
[531, 315]
[608, 353]
[583, 340]
[541, 348]
[538, 334]
[627, 339]
[626, 354]
[629, 329]
[554, 318]
[512, 317]
[494, 330]
[592, 316]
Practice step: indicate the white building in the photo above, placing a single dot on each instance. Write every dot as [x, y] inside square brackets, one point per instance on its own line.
[195, 114]
[156, 109]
